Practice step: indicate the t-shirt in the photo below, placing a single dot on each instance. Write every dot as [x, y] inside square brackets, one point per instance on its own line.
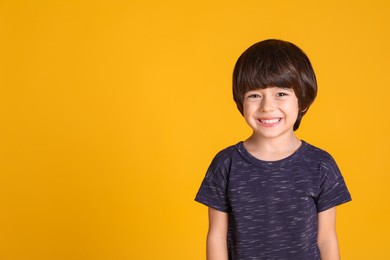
[273, 205]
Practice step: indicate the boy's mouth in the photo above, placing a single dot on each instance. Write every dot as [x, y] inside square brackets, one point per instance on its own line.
[270, 121]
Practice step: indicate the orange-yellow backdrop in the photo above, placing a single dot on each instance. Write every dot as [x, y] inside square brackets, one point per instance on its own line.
[111, 111]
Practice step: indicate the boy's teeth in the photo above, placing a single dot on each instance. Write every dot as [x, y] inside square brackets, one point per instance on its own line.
[271, 121]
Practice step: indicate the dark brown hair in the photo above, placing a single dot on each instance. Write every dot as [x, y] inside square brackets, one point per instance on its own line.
[275, 63]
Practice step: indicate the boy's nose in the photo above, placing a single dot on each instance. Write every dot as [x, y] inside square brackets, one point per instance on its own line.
[267, 104]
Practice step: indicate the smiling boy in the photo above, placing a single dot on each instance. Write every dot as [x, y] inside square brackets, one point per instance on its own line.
[273, 196]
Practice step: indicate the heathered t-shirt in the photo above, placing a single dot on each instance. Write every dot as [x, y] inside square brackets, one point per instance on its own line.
[273, 205]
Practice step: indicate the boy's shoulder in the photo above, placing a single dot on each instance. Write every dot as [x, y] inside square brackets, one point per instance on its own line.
[317, 153]
[219, 169]
[225, 155]
[228, 151]
[324, 162]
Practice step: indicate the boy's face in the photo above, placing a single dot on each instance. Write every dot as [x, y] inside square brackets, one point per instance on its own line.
[271, 112]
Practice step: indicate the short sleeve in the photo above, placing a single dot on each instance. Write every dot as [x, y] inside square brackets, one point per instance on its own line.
[213, 190]
[333, 190]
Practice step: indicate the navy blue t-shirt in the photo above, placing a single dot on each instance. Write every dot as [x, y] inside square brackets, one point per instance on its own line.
[273, 205]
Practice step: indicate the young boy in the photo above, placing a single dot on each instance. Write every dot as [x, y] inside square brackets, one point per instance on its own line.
[273, 196]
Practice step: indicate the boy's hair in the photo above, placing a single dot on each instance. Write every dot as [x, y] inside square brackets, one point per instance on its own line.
[275, 63]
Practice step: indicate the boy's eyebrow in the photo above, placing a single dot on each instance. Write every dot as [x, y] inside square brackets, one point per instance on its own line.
[286, 88]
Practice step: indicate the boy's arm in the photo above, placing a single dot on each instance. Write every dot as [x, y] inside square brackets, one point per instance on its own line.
[217, 235]
[327, 237]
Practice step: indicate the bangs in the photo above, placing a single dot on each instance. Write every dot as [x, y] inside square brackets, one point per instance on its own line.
[259, 77]
[268, 69]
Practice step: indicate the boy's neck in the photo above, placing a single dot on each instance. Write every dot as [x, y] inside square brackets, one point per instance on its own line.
[272, 149]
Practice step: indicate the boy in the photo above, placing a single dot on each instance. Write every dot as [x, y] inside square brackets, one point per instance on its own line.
[273, 196]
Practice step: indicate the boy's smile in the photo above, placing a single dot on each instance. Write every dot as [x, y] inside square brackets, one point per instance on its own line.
[269, 122]
[271, 112]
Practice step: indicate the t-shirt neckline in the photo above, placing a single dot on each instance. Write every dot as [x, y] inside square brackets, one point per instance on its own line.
[250, 158]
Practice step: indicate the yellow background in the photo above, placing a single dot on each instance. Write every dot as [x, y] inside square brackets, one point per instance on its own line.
[111, 111]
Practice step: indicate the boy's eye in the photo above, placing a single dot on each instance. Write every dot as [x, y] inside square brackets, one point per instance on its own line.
[254, 96]
[281, 94]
